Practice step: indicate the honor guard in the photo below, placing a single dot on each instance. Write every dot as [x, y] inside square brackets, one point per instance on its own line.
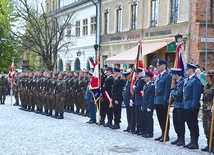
[191, 101]
[162, 93]
[138, 96]
[117, 98]
[129, 103]
[107, 95]
[15, 89]
[148, 105]
[178, 111]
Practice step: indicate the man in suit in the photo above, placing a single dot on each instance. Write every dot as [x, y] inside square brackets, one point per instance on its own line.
[107, 95]
[129, 103]
[117, 98]
[138, 89]
[148, 105]
[162, 93]
[191, 101]
[178, 111]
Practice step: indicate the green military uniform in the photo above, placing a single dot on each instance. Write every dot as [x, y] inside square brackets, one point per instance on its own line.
[74, 92]
[60, 97]
[207, 115]
[21, 91]
[38, 94]
[16, 91]
[47, 94]
[3, 88]
[53, 95]
[30, 93]
[69, 98]
[80, 94]
[44, 97]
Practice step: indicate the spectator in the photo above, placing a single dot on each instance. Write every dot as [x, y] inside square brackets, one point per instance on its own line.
[203, 79]
[198, 71]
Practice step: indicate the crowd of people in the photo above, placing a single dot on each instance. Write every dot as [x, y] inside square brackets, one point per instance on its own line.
[53, 93]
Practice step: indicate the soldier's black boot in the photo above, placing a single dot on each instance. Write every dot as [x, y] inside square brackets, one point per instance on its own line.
[115, 126]
[49, 113]
[108, 124]
[190, 143]
[16, 104]
[77, 111]
[181, 141]
[55, 115]
[60, 116]
[175, 142]
[45, 112]
[194, 144]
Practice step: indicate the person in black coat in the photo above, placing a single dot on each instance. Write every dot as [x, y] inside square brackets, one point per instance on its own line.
[148, 105]
[138, 89]
[117, 98]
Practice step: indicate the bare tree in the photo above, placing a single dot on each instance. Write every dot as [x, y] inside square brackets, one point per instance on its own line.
[43, 32]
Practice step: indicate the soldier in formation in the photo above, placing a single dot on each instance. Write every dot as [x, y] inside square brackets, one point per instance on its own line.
[3, 88]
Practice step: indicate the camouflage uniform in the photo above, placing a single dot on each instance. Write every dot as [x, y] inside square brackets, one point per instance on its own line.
[21, 91]
[3, 88]
[48, 98]
[38, 93]
[69, 98]
[15, 90]
[80, 95]
[207, 115]
[30, 93]
[53, 94]
[44, 98]
[60, 96]
[74, 92]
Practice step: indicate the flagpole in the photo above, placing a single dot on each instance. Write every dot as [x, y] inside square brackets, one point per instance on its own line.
[11, 86]
[211, 132]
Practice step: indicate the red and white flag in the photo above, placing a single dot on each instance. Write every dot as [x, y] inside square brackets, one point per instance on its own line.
[91, 64]
[140, 55]
[12, 71]
[94, 83]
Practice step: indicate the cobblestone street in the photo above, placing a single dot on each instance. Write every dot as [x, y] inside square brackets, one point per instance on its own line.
[27, 133]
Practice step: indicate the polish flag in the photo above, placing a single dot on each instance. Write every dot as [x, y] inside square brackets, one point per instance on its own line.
[12, 71]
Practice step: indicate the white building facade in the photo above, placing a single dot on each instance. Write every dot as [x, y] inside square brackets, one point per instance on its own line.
[80, 32]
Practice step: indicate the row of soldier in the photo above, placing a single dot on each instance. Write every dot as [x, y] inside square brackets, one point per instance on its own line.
[147, 96]
[48, 92]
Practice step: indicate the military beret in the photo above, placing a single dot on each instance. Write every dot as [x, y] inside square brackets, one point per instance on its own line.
[191, 66]
[148, 74]
[63, 73]
[161, 62]
[56, 73]
[176, 71]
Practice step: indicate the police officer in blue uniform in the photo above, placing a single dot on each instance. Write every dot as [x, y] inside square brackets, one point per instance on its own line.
[162, 93]
[106, 88]
[117, 98]
[138, 94]
[178, 111]
[191, 101]
[128, 103]
[148, 105]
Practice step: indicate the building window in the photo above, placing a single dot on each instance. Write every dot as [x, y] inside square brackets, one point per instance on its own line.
[133, 17]
[77, 28]
[106, 22]
[154, 12]
[69, 30]
[174, 11]
[85, 27]
[53, 3]
[93, 25]
[119, 20]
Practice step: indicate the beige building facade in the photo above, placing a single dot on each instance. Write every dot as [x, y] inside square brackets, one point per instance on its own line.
[156, 21]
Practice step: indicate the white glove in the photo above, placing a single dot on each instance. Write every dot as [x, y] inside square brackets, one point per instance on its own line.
[149, 110]
[141, 108]
[141, 92]
[133, 86]
[131, 103]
